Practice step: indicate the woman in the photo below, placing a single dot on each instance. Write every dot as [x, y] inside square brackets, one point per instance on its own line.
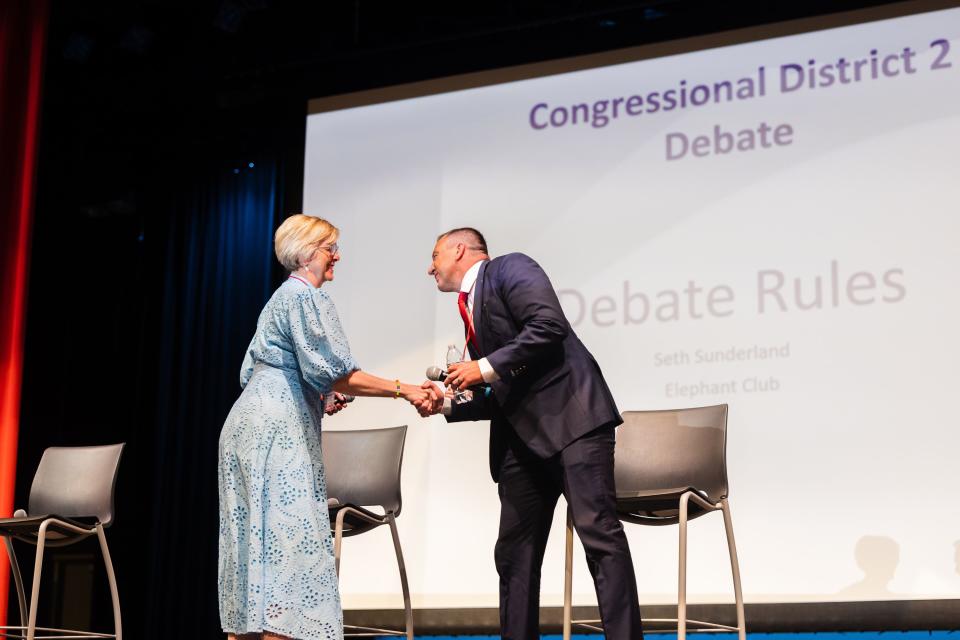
[277, 577]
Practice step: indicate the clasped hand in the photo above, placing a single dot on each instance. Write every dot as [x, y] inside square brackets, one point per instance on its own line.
[427, 399]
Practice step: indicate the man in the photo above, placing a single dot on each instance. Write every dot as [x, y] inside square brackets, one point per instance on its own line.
[551, 432]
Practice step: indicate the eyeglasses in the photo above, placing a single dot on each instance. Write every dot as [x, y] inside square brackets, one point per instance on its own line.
[332, 249]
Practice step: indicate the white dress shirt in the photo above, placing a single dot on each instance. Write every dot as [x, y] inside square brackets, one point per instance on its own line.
[469, 285]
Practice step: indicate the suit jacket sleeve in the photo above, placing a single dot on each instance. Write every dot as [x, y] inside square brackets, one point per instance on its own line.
[529, 297]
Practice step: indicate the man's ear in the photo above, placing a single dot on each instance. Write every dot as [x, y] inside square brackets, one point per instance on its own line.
[461, 249]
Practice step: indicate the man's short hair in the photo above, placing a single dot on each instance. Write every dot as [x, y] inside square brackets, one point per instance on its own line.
[467, 235]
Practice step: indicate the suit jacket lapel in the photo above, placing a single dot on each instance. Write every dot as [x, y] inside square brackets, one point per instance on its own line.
[478, 306]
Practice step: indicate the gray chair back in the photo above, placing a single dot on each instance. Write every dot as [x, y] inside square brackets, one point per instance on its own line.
[363, 467]
[76, 482]
[661, 453]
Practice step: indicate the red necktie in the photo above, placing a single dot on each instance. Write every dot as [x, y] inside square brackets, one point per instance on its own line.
[467, 324]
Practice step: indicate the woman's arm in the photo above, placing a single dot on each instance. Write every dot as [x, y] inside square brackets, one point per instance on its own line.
[361, 383]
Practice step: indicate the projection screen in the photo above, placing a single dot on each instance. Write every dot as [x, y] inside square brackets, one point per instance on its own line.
[767, 219]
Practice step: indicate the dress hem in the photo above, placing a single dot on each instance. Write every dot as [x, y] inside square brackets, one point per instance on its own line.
[274, 630]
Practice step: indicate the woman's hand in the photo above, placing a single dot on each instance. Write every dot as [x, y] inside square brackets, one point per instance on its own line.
[333, 402]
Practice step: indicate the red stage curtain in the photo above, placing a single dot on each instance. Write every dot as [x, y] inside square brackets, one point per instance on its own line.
[23, 26]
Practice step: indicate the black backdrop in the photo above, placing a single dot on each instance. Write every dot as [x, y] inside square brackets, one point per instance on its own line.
[137, 326]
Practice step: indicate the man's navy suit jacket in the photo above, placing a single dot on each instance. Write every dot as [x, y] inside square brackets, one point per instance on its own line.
[551, 390]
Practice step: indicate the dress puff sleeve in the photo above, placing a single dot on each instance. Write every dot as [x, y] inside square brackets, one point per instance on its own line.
[319, 343]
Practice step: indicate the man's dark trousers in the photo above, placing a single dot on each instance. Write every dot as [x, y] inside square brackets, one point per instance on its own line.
[529, 487]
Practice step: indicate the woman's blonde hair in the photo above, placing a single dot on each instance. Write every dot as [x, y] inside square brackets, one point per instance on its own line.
[299, 236]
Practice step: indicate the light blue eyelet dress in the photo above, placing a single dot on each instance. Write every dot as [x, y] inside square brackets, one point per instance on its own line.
[277, 570]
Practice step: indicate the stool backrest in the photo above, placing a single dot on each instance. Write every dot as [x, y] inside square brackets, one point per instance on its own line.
[673, 448]
[362, 467]
[76, 482]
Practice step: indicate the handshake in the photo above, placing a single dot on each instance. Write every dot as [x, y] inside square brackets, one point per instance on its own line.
[459, 377]
[427, 399]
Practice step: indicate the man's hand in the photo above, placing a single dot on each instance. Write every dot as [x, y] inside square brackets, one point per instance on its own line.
[461, 375]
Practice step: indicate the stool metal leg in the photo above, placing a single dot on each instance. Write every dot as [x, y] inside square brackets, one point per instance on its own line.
[682, 578]
[338, 538]
[735, 569]
[407, 608]
[111, 578]
[17, 579]
[35, 586]
[568, 579]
